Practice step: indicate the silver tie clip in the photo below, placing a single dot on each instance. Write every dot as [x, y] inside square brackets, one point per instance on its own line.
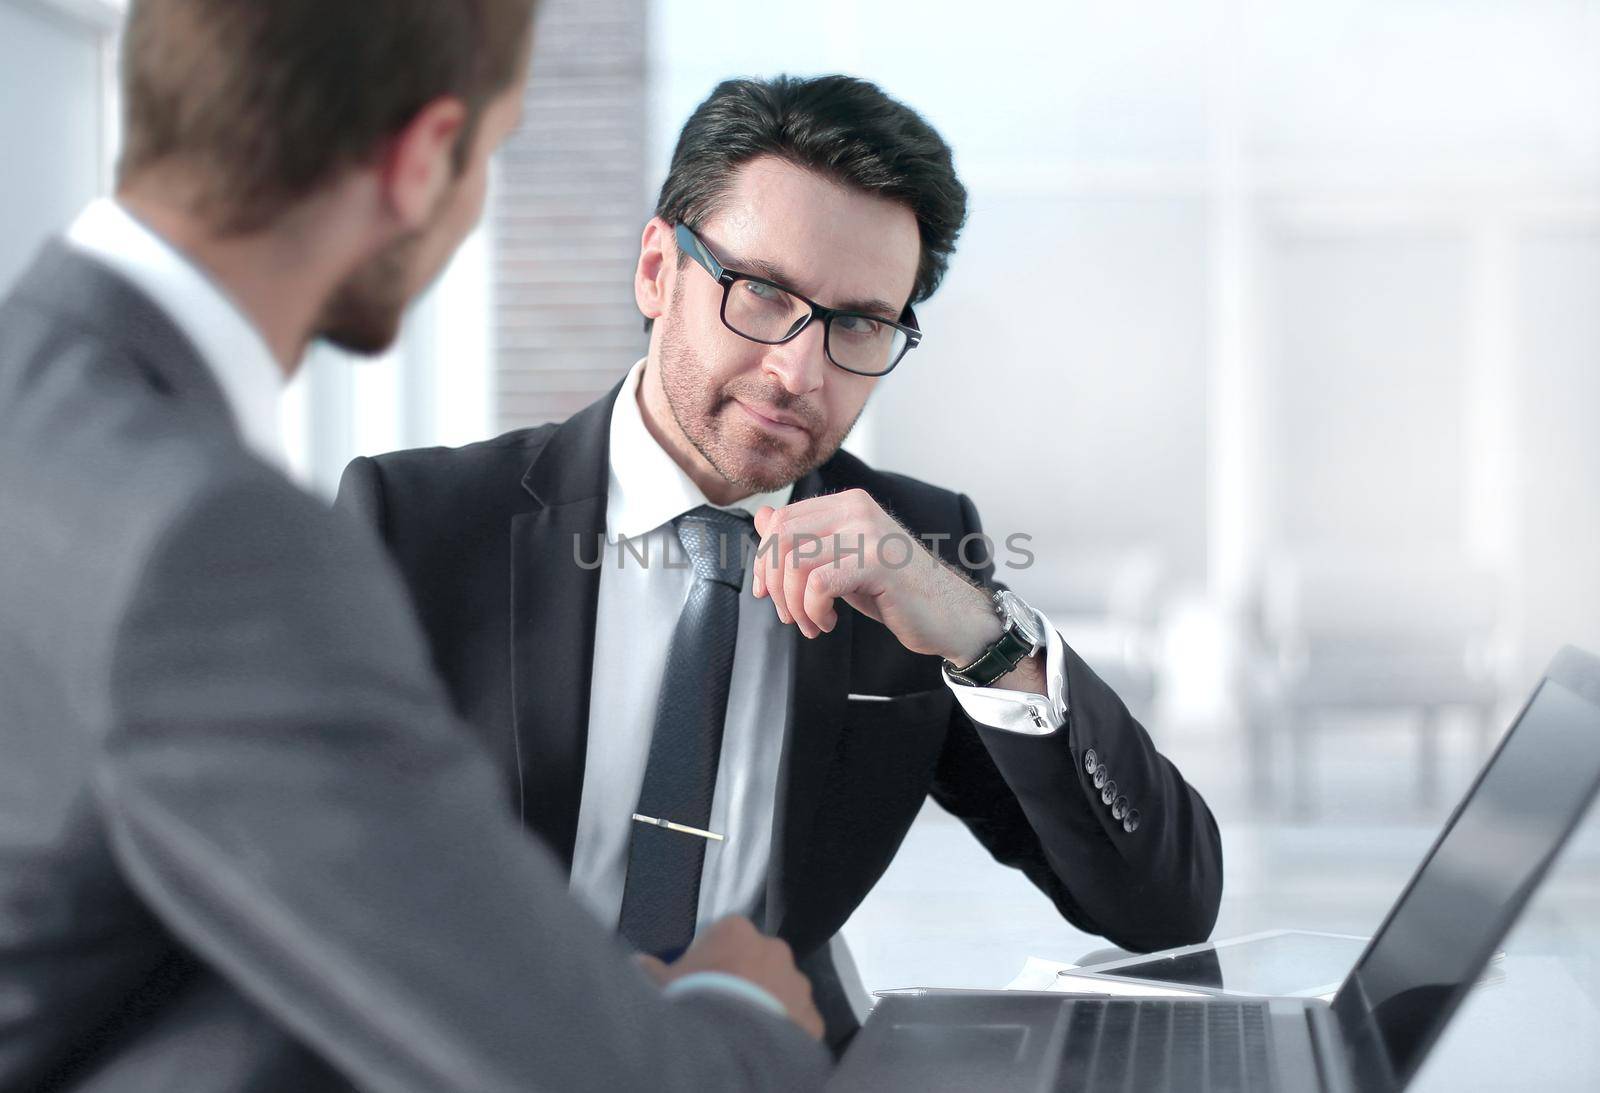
[670, 826]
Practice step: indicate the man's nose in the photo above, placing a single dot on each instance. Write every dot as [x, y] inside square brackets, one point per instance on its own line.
[800, 363]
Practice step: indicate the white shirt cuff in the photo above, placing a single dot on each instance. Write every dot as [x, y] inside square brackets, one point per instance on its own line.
[1021, 711]
[723, 983]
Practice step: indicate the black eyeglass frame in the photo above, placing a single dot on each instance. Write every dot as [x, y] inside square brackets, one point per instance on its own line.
[695, 247]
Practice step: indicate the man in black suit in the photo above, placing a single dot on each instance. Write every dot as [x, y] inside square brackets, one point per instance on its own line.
[688, 750]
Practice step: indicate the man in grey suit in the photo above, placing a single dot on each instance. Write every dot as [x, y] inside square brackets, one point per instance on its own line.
[243, 844]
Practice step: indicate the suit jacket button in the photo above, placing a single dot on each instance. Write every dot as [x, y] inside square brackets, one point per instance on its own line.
[1109, 791]
[1130, 822]
[1119, 808]
[1100, 777]
[1090, 761]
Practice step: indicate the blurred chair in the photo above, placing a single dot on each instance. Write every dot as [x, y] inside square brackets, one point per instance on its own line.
[1108, 608]
[1330, 637]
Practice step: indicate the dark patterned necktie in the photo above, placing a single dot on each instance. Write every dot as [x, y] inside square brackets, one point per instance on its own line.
[661, 897]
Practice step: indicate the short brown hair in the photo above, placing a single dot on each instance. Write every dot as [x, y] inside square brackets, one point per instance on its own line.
[263, 102]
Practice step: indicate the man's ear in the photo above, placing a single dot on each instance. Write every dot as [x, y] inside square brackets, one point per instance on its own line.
[658, 257]
[419, 163]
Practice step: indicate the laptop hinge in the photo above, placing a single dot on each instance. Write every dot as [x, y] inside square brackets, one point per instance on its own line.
[1332, 1065]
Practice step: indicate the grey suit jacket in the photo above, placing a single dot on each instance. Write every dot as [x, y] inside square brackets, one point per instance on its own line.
[243, 843]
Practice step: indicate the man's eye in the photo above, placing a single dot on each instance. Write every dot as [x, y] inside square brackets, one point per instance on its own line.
[764, 292]
[859, 325]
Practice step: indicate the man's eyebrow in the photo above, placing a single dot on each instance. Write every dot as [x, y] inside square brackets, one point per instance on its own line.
[772, 272]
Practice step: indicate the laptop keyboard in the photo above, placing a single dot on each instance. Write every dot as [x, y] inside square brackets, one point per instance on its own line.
[1141, 1047]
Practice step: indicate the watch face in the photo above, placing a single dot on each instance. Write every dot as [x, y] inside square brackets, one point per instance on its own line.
[1021, 616]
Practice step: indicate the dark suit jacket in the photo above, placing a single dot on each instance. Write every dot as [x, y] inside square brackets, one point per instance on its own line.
[244, 844]
[484, 537]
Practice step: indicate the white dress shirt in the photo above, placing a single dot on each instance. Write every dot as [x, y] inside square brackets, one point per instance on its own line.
[639, 605]
[1021, 711]
[226, 341]
[638, 609]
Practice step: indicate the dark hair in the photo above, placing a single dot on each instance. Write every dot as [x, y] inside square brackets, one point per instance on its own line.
[263, 102]
[843, 128]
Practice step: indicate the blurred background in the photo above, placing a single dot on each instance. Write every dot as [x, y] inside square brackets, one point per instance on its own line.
[1290, 311]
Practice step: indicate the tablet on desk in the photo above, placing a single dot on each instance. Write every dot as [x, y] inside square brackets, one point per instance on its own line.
[1276, 963]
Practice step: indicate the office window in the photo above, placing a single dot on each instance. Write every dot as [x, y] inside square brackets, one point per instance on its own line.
[1558, 395]
[1365, 375]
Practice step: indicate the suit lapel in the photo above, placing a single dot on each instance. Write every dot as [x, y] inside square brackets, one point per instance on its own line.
[818, 685]
[553, 605]
[555, 591]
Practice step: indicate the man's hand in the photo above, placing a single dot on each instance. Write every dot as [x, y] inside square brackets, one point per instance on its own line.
[733, 945]
[844, 546]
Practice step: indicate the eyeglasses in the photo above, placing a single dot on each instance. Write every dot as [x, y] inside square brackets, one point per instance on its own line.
[766, 312]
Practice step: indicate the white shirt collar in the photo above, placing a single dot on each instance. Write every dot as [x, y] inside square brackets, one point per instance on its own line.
[230, 345]
[647, 487]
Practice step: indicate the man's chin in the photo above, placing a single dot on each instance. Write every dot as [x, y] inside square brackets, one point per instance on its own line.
[765, 475]
[370, 342]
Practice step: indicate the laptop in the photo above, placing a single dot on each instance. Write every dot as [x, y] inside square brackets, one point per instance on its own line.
[1386, 1015]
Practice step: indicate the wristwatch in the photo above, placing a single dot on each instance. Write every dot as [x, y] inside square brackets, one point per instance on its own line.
[1019, 639]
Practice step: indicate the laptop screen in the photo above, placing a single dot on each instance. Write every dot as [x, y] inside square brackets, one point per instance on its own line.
[1474, 883]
